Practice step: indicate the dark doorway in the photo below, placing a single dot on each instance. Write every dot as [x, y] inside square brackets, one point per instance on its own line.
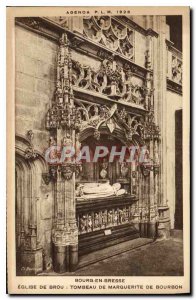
[178, 170]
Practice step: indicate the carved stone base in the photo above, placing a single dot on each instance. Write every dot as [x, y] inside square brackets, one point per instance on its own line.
[73, 258]
[152, 230]
[31, 262]
[65, 258]
[143, 229]
[148, 229]
[164, 223]
[60, 258]
[164, 229]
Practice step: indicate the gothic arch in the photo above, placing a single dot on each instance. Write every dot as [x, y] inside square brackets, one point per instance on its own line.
[118, 133]
[29, 165]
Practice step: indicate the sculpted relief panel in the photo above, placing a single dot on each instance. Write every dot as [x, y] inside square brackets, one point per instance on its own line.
[176, 70]
[107, 218]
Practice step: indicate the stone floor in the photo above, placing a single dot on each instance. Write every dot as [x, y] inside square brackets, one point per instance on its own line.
[139, 257]
[160, 258]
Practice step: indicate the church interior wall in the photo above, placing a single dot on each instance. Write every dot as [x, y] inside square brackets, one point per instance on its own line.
[35, 85]
[140, 49]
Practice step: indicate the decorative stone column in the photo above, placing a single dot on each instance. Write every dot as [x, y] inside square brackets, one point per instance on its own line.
[149, 213]
[61, 123]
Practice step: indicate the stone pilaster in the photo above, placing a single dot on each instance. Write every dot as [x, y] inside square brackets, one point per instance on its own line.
[160, 75]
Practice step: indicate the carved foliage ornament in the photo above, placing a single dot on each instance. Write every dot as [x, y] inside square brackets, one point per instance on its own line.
[93, 116]
[110, 79]
[65, 236]
[151, 130]
[132, 124]
[30, 153]
[61, 116]
[137, 126]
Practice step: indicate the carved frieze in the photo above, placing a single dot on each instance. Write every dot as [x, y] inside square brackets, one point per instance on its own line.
[111, 79]
[133, 125]
[104, 218]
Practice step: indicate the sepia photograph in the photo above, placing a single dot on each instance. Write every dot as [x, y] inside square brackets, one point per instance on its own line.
[98, 191]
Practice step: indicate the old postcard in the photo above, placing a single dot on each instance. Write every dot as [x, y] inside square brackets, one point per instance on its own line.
[98, 107]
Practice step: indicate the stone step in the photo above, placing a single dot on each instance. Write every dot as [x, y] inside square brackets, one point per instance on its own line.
[105, 253]
[102, 254]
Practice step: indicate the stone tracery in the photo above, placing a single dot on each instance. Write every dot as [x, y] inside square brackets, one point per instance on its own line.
[111, 33]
